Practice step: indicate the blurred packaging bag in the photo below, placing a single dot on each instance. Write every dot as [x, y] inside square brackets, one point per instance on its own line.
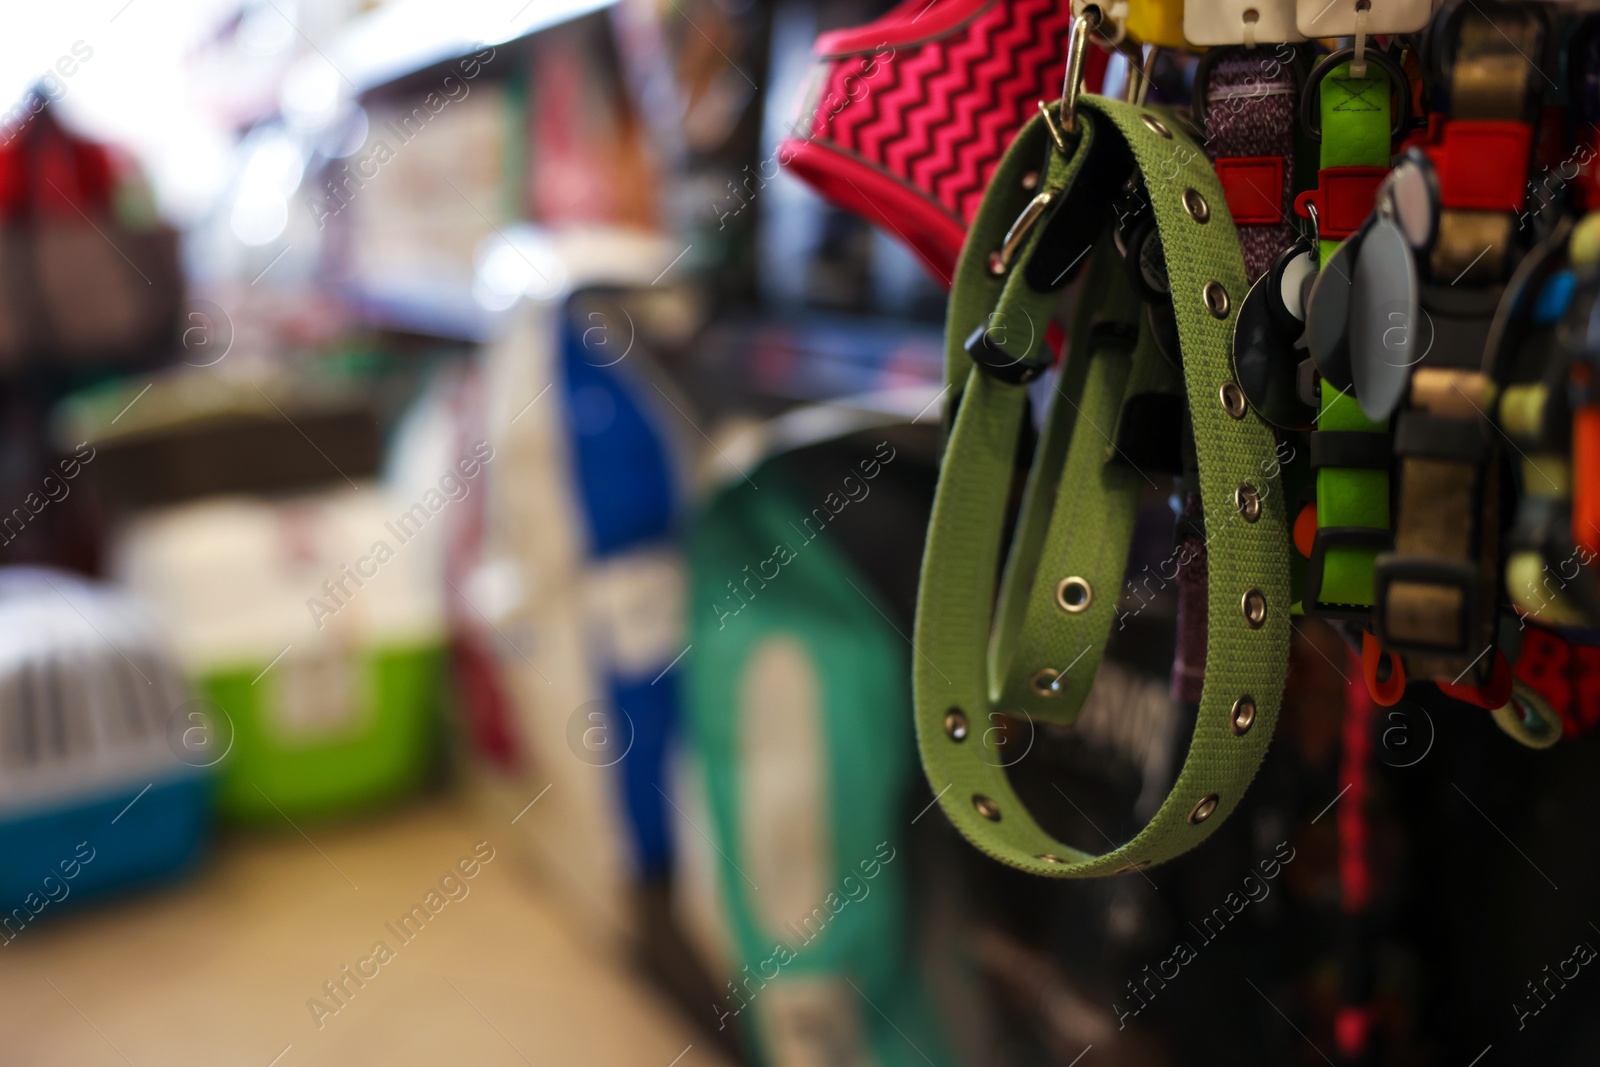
[87, 275]
[105, 760]
[801, 763]
[568, 609]
[314, 623]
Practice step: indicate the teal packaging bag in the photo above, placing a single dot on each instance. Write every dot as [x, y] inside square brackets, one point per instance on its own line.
[800, 737]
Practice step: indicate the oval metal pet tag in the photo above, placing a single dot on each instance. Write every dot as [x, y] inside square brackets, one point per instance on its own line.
[1387, 336]
[1412, 189]
[1328, 313]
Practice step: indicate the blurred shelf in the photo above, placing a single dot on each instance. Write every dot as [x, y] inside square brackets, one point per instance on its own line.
[407, 36]
[220, 968]
[422, 307]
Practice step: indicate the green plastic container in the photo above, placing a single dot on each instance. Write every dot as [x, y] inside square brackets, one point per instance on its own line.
[382, 753]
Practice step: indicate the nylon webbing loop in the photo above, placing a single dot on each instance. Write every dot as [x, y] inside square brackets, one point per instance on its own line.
[1079, 498]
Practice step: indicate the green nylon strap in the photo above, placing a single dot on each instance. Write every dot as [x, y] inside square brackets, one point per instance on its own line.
[1028, 661]
[1355, 133]
[951, 676]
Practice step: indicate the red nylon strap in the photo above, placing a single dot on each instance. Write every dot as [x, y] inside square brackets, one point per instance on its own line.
[1253, 187]
[1586, 483]
[1482, 164]
[1343, 199]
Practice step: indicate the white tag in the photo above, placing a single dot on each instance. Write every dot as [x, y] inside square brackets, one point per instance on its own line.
[1337, 18]
[812, 1021]
[1247, 22]
[316, 695]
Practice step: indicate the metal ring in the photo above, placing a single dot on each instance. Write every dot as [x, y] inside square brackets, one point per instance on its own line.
[1311, 97]
[1298, 63]
[1233, 399]
[1195, 204]
[1216, 298]
[955, 724]
[1044, 682]
[1254, 606]
[1248, 502]
[1202, 811]
[986, 807]
[1156, 125]
[1074, 594]
[1244, 715]
[1049, 858]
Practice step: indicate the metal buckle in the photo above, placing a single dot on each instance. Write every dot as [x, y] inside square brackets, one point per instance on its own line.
[1019, 231]
[1441, 573]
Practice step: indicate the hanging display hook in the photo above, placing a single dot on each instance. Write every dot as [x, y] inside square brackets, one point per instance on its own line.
[1083, 24]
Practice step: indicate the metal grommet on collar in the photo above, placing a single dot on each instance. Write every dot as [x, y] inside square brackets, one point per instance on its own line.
[1254, 606]
[1248, 502]
[986, 807]
[1216, 298]
[1202, 811]
[1233, 399]
[1043, 682]
[997, 265]
[1196, 205]
[1049, 858]
[1074, 594]
[1156, 125]
[955, 724]
[1030, 180]
[1244, 715]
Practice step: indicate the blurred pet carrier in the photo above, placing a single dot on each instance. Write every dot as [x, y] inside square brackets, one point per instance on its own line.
[302, 593]
[105, 760]
[314, 624]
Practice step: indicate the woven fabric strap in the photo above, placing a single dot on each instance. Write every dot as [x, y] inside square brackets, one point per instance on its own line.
[1250, 126]
[1077, 508]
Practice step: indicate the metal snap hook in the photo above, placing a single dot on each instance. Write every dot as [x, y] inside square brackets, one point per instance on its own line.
[1082, 26]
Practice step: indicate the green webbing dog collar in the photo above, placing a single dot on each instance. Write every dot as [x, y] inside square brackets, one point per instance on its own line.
[1077, 509]
[1356, 132]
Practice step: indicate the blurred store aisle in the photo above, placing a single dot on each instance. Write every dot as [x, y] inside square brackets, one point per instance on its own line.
[220, 970]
